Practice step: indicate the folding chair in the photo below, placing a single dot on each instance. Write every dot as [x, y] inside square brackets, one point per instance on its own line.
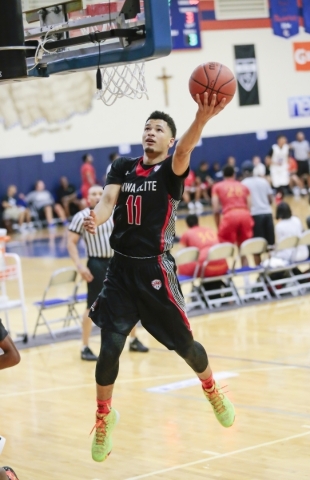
[193, 298]
[303, 278]
[287, 284]
[228, 293]
[59, 278]
[257, 290]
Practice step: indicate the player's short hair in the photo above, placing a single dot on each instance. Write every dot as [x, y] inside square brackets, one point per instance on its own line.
[113, 156]
[84, 157]
[192, 220]
[283, 211]
[281, 135]
[228, 171]
[157, 115]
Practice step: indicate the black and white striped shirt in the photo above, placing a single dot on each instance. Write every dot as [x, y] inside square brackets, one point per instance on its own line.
[97, 245]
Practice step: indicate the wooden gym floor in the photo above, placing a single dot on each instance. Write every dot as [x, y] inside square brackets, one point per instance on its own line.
[167, 430]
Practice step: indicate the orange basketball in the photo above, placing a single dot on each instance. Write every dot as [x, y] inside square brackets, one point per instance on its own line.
[213, 77]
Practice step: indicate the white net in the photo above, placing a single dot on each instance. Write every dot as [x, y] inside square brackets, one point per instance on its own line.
[122, 81]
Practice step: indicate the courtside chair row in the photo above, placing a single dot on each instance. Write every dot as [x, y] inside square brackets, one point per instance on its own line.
[245, 285]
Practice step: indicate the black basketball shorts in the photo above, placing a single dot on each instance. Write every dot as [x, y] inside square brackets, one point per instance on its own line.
[146, 290]
[263, 227]
[302, 167]
[98, 267]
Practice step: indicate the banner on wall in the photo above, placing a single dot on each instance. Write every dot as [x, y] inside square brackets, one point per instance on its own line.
[299, 106]
[284, 17]
[306, 14]
[302, 56]
[246, 73]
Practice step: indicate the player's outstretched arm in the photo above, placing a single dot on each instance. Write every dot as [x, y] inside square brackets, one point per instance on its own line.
[11, 355]
[190, 138]
[103, 209]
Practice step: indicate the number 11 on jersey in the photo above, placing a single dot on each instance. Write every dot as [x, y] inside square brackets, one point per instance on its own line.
[131, 203]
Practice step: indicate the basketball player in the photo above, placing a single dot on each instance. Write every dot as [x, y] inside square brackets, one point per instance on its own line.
[7, 473]
[10, 356]
[279, 169]
[141, 281]
[99, 253]
[236, 224]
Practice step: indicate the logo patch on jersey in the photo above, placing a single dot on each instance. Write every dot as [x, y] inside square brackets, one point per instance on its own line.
[127, 173]
[156, 284]
[157, 168]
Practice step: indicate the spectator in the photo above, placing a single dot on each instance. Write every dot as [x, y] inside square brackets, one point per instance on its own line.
[231, 161]
[267, 163]
[279, 166]
[259, 168]
[203, 238]
[287, 226]
[236, 224]
[301, 151]
[216, 172]
[88, 174]
[67, 197]
[112, 157]
[192, 191]
[43, 202]
[12, 211]
[204, 180]
[261, 200]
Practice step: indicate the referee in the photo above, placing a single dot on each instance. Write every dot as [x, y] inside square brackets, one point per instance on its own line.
[99, 253]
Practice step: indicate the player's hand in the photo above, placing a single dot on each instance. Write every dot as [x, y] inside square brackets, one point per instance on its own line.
[206, 111]
[90, 223]
[85, 273]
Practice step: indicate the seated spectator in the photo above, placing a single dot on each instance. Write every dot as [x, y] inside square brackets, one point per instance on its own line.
[44, 203]
[216, 173]
[192, 191]
[203, 238]
[287, 226]
[231, 161]
[13, 211]
[204, 180]
[259, 168]
[295, 183]
[67, 197]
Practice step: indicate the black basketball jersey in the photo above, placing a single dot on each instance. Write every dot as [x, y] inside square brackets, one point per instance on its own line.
[144, 216]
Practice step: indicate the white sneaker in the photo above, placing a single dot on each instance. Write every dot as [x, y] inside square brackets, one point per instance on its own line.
[303, 191]
[198, 206]
[191, 206]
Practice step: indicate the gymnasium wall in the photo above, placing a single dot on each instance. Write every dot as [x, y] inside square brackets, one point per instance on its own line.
[107, 127]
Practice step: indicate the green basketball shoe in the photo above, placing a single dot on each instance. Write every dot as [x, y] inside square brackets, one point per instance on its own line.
[102, 441]
[222, 406]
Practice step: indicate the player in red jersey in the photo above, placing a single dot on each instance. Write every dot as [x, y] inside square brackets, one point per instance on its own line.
[141, 282]
[88, 174]
[203, 238]
[234, 198]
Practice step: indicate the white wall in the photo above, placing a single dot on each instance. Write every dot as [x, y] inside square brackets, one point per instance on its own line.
[123, 122]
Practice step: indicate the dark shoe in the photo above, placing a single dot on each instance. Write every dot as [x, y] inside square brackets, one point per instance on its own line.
[137, 346]
[87, 354]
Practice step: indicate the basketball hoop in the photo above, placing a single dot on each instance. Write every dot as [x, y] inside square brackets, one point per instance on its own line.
[122, 81]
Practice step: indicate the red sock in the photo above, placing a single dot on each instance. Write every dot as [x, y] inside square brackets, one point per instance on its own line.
[208, 383]
[104, 406]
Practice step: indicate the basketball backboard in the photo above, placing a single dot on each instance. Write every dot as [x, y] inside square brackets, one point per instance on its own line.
[74, 35]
